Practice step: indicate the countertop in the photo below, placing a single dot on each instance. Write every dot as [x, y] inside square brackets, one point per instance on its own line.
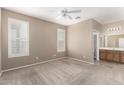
[119, 49]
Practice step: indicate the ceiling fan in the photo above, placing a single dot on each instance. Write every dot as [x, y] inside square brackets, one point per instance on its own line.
[65, 13]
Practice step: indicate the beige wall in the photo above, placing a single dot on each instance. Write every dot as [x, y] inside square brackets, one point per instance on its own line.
[42, 41]
[80, 41]
[96, 25]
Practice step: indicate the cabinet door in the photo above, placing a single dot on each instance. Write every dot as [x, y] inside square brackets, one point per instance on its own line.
[122, 57]
[116, 56]
[102, 55]
[109, 56]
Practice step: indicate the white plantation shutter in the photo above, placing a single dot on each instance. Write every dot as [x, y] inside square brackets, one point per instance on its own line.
[18, 38]
[60, 40]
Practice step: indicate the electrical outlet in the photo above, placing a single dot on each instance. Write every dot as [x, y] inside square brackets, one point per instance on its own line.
[36, 58]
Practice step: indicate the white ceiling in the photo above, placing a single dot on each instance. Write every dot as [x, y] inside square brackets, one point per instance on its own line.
[100, 14]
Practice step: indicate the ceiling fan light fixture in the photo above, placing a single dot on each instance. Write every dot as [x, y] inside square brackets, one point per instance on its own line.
[65, 13]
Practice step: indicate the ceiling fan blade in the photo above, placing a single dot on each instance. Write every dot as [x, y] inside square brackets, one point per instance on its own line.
[69, 17]
[74, 11]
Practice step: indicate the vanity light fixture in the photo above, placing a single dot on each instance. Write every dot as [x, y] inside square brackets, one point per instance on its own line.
[112, 30]
[118, 27]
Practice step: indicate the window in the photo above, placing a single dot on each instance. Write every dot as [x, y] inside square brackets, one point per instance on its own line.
[60, 40]
[18, 38]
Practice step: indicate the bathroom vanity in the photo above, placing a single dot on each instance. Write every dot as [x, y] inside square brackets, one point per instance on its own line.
[112, 48]
[112, 54]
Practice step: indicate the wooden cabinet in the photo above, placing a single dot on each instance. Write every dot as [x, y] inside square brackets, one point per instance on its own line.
[109, 55]
[116, 56]
[102, 54]
[112, 55]
[122, 57]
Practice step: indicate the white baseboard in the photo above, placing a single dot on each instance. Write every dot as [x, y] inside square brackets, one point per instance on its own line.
[31, 64]
[41, 63]
[80, 60]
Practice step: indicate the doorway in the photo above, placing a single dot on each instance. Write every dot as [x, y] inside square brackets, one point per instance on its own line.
[96, 45]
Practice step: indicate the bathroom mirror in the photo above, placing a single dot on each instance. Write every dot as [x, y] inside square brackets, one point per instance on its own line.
[112, 41]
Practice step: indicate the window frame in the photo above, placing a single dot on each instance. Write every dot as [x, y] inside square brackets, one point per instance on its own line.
[10, 54]
[64, 49]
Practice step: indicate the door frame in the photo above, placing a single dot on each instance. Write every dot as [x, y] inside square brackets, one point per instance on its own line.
[98, 42]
